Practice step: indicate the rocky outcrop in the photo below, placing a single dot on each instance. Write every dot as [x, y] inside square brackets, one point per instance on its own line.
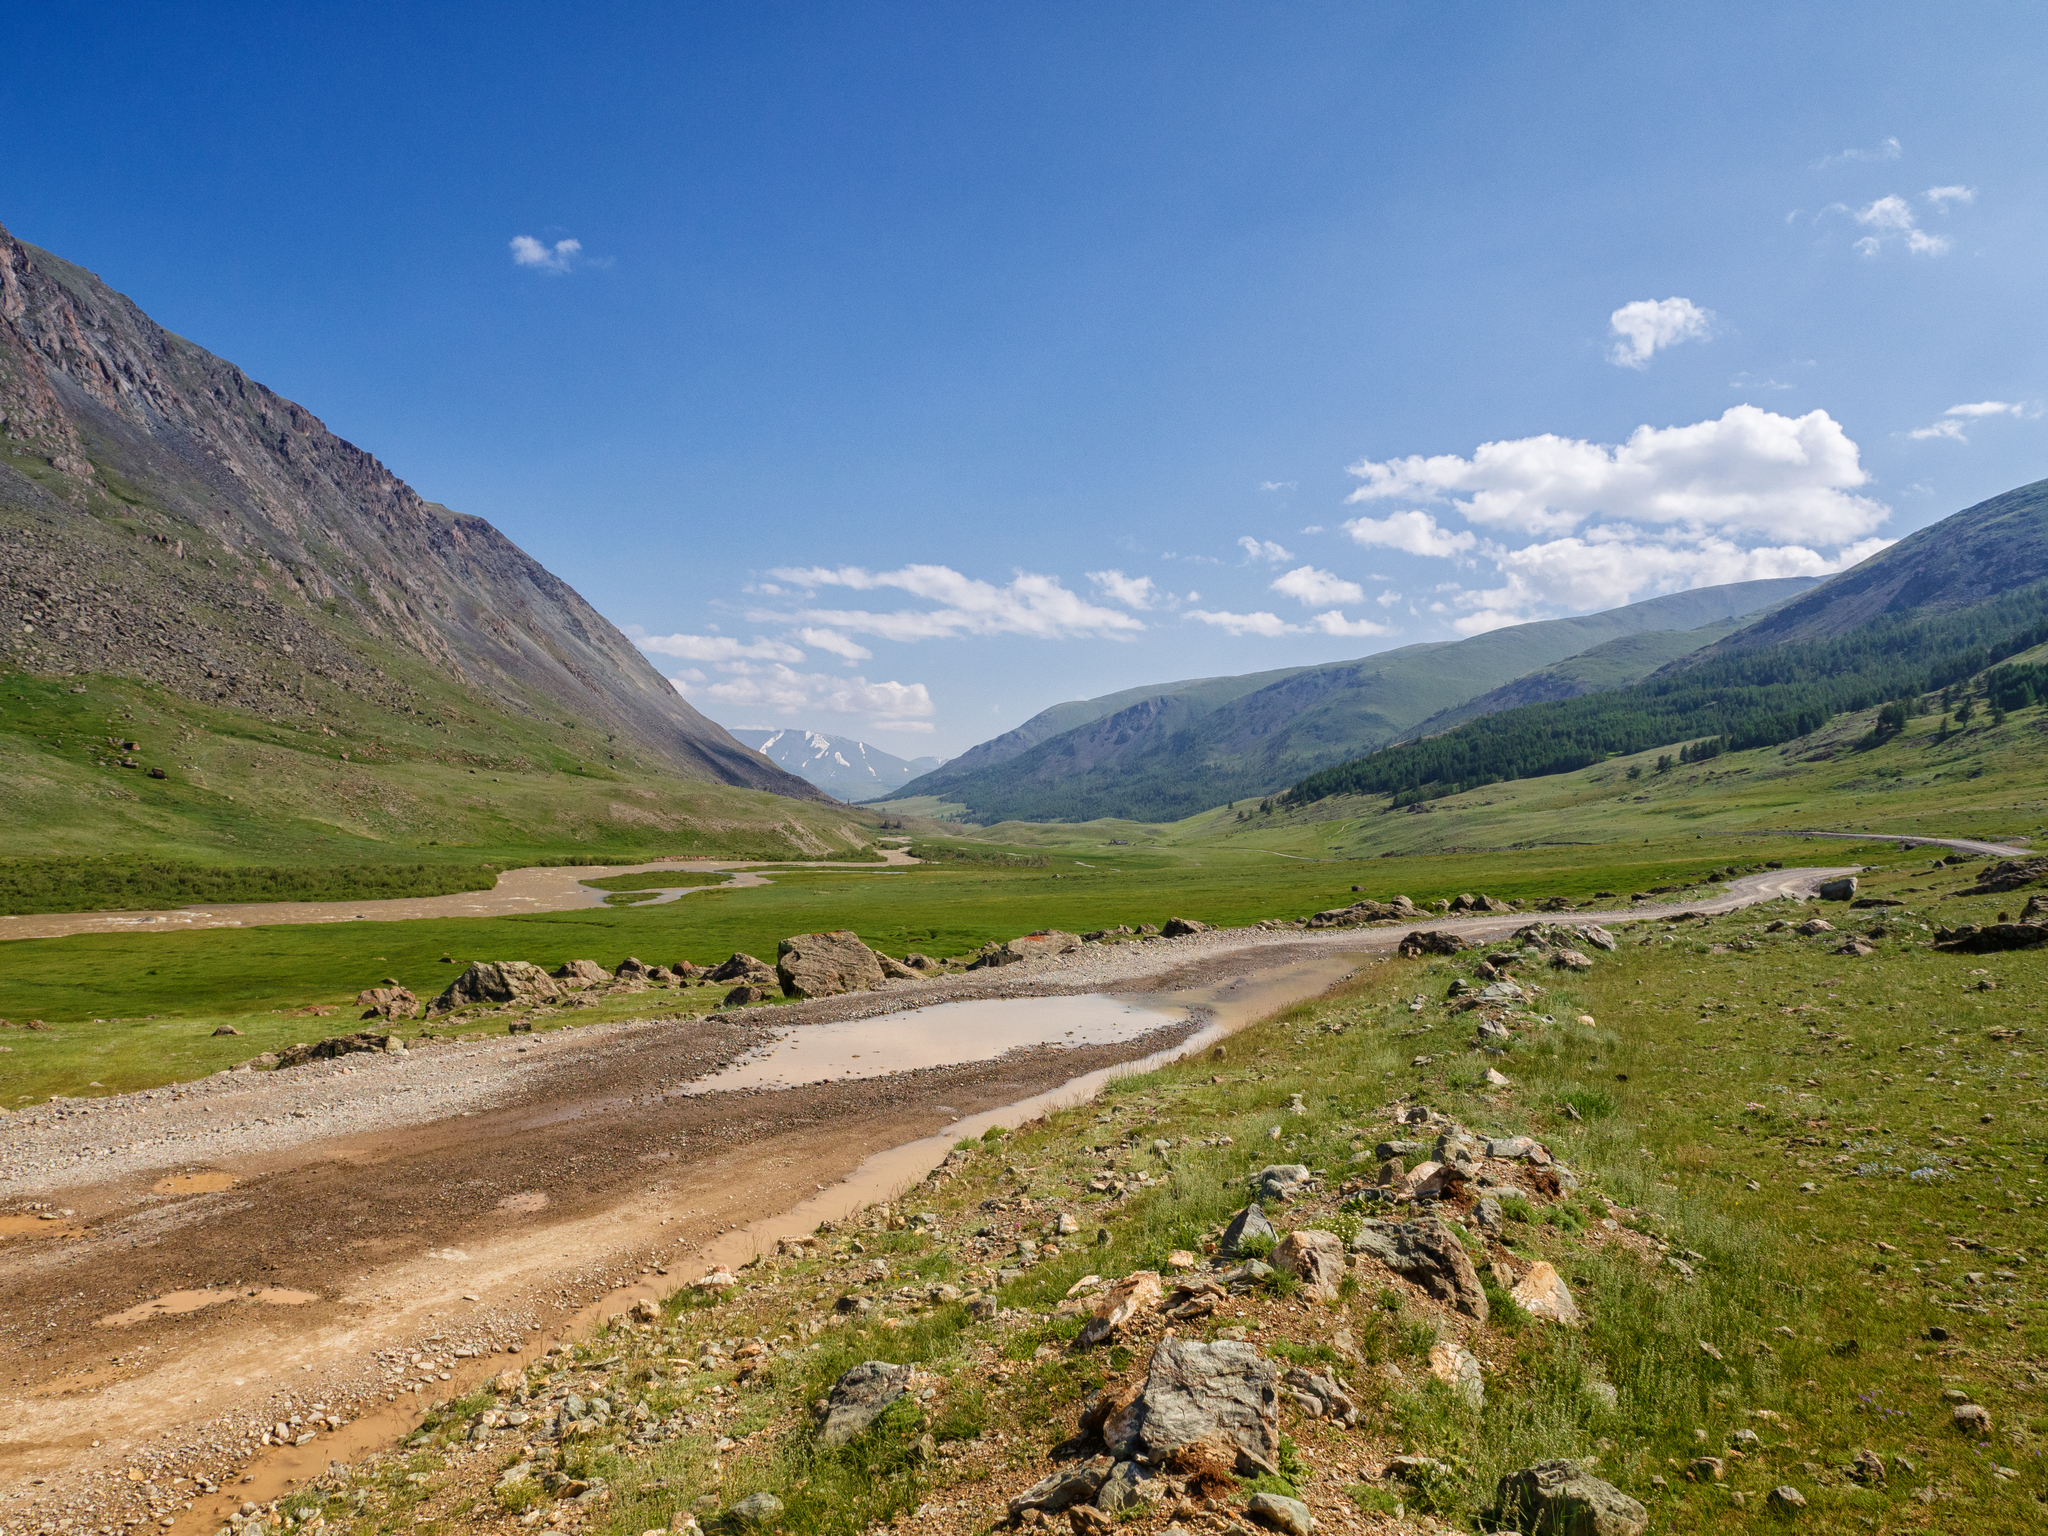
[1032, 946]
[2006, 875]
[1182, 927]
[826, 964]
[1559, 1498]
[339, 1045]
[1399, 910]
[498, 981]
[1427, 1253]
[744, 967]
[390, 1001]
[1223, 1396]
[576, 974]
[1991, 938]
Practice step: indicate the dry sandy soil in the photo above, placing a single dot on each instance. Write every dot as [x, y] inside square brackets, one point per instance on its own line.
[180, 1269]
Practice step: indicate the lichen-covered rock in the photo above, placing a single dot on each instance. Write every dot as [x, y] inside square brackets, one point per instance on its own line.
[826, 964]
[1559, 1498]
[860, 1397]
[1225, 1396]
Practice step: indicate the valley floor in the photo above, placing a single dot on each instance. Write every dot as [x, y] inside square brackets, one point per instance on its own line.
[329, 1235]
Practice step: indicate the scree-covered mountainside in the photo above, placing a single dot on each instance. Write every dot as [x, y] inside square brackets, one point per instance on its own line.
[170, 520]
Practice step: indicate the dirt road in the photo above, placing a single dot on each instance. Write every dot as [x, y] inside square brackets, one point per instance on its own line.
[184, 1268]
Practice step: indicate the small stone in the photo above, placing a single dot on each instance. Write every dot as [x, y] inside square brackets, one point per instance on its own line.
[1276, 1512]
[1543, 1293]
[1787, 1500]
[1708, 1469]
[1068, 1224]
[1972, 1419]
[1247, 1226]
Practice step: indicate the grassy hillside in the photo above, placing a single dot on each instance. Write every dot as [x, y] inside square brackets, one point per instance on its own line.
[353, 790]
[1173, 754]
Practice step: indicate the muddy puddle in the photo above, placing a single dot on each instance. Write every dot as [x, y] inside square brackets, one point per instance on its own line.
[945, 1035]
[37, 1226]
[193, 1301]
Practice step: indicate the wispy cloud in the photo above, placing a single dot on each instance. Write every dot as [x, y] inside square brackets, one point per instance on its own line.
[1887, 149]
[1941, 197]
[1263, 550]
[834, 642]
[1029, 604]
[718, 648]
[1646, 325]
[556, 259]
[1278, 485]
[1317, 589]
[1952, 419]
[1269, 625]
[1131, 591]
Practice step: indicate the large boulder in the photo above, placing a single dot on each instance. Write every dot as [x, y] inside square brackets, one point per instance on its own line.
[1032, 946]
[826, 964]
[1426, 1253]
[498, 981]
[1992, 938]
[1223, 1396]
[1559, 1498]
[390, 1001]
[860, 1397]
[1182, 927]
[743, 967]
[1315, 1259]
[1841, 888]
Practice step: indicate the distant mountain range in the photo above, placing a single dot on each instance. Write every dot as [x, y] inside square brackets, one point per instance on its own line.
[846, 769]
[1165, 751]
[1930, 613]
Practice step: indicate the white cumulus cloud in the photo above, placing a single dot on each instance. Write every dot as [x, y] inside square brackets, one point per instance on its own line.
[556, 258]
[1263, 549]
[1749, 470]
[1649, 324]
[1268, 625]
[1131, 591]
[804, 695]
[1031, 605]
[1317, 589]
[1414, 533]
[1334, 623]
[718, 648]
[1893, 218]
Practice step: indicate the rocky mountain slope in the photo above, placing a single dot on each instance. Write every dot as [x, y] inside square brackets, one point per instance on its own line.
[1176, 751]
[170, 520]
[844, 768]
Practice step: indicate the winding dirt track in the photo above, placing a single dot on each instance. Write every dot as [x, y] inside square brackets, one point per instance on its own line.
[523, 1189]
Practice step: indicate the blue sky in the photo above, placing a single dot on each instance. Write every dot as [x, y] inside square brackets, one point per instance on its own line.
[908, 368]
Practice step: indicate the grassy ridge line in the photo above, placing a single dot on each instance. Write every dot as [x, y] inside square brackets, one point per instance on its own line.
[350, 784]
[32, 886]
[1705, 1109]
[133, 1010]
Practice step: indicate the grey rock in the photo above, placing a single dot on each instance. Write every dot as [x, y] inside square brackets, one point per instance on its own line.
[498, 981]
[1387, 1149]
[1247, 1225]
[1032, 946]
[1429, 1254]
[1282, 1181]
[1064, 1487]
[1224, 1395]
[1489, 1216]
[743, 967]
[1559, 1498]
[860, 1397]
[1839, 889]
[1129, 1485]
[1277, 1512]
[1787, 1500]
[1333, 1400]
